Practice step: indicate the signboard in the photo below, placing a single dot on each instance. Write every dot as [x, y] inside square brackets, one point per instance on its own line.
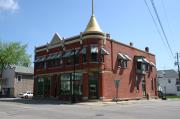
[117, 82]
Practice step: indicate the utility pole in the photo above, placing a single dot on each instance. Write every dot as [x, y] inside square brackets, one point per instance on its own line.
[177, 63]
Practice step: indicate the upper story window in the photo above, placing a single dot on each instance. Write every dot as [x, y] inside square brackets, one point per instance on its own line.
[142, 64]
[103, 52]
[177, 81]
[40, 65]
[19, 78]
[72, 57]
[123, 60]
[94, 54]
[84, 54]
[40, 62]
[40, 59]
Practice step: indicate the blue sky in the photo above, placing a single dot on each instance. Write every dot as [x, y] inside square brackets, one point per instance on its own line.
[34, 22]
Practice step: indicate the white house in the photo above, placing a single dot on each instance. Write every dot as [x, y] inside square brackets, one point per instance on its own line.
[168, 81]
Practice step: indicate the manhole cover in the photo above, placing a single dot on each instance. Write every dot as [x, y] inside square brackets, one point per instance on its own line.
[99, 114]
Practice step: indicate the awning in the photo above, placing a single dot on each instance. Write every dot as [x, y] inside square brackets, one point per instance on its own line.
[58, 55]
[143, 60]
[152, 64]
[104, 51]
[71, 53]
[127, 57]
[123, 56]
[83, 51]
[67, 54]
[40, 59]
[94, 49]
[54, 56]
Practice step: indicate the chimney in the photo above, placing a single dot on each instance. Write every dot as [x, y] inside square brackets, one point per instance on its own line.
[131, 44]
[147, 49]
[108, 36]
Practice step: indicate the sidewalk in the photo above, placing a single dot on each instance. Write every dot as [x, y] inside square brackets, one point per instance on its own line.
[101, 103]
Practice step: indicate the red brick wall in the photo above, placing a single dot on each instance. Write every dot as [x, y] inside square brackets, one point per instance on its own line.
[127, 76]
[110, 70]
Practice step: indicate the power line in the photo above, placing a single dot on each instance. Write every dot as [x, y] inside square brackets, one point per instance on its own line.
[156, 25]
[160, 23]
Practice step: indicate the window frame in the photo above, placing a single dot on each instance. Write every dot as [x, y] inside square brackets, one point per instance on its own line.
[94, 55]
[122, 63]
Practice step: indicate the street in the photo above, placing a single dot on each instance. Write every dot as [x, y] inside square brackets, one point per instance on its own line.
[149, 109]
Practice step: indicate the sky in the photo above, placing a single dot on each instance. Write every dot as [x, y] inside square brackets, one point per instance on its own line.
[34, 22]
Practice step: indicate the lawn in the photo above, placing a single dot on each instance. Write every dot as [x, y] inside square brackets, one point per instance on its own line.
[173, 97]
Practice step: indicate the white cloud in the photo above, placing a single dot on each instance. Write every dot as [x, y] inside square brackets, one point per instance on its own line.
[8, 5]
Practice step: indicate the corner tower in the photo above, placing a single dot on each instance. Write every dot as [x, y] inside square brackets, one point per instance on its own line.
[93, 25]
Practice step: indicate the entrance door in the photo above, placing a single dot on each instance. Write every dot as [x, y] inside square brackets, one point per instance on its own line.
[93, 85]
[143, 87]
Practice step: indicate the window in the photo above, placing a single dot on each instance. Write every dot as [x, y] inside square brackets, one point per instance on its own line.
[65, 84]
[142, 64]
[103, 53]
[77, 84]
[40, 65]
[152, 84]
[139, 65]
[77, 59]
[169, 81]
[122, 63]
[147, 67]
[70, 60]
[177, 81]
[19, 78]
[40, 86]
[94, 54]
[52, 63]
[83, 52]
[178, 88]
[72, 57]
[84, 58]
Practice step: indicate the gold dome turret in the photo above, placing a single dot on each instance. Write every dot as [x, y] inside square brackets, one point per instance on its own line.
[93, 24]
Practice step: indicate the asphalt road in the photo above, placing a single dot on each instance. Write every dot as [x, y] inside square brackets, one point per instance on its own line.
[145, 109]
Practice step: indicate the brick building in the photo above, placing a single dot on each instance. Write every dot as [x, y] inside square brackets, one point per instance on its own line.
[86, 66]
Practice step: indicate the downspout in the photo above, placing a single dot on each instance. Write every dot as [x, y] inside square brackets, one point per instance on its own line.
[111, 55]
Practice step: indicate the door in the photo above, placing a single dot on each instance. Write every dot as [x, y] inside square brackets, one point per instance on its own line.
[143, 87]
[93, 86]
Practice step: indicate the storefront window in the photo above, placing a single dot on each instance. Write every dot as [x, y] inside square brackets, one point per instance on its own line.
[47, 82]
[65, 84]
[77, 84]
[40, 86]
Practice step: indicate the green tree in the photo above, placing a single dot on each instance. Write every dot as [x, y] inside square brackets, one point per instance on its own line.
[13, 53]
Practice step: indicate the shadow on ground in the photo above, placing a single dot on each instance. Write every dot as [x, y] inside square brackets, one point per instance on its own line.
[35, 101]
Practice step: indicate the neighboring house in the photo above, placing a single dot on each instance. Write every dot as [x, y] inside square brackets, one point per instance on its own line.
[16, 79]
[168, 82]
[86, 66]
